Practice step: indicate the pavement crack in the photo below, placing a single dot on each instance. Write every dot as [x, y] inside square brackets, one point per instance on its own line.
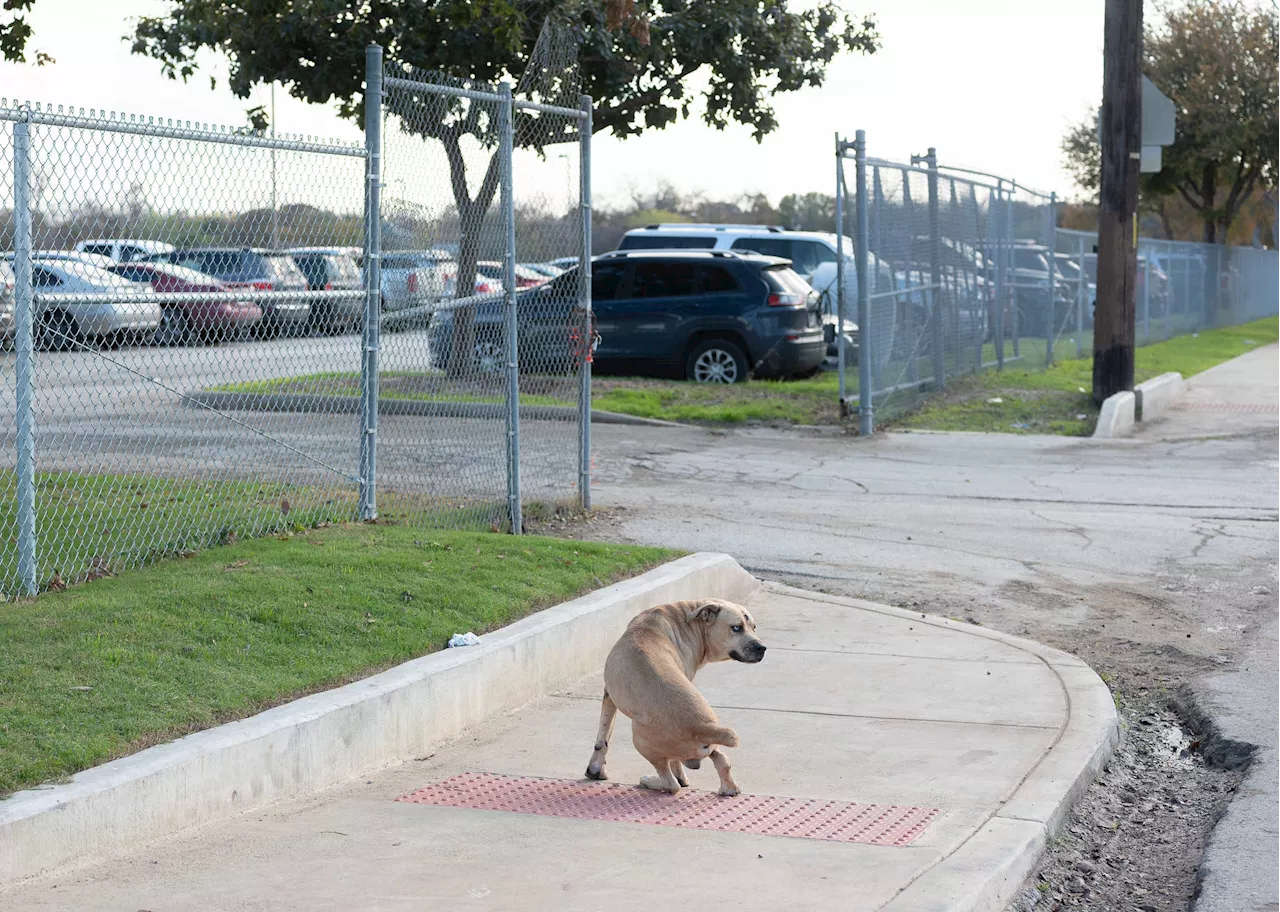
[1070, 527]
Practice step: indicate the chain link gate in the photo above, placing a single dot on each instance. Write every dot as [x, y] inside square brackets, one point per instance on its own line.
[216, 333]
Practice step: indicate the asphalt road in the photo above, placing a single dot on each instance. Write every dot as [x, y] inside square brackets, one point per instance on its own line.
[123, 411]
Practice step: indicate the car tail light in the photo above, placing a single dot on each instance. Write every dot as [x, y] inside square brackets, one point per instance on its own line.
[328, 286]
[785, 299]
[413, 283]
[262, 286]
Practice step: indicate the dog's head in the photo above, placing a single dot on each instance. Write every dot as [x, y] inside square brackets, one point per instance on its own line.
[728, 631]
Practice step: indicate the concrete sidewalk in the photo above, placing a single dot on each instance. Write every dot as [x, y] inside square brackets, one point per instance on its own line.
[1240, 396]
[854, 702]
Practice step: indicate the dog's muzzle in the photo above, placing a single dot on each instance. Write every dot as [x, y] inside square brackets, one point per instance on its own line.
[752, 654]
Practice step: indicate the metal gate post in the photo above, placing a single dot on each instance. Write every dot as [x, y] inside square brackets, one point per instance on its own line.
[506, 143]
[937, 314]
[584, 302]
[866, 409]
[840, 292]
[372, 283]
[24, 345]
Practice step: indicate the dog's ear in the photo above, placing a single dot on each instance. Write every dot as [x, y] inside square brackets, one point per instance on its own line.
[707, 613]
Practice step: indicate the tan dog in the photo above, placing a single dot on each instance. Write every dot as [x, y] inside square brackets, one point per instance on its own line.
[649, 676]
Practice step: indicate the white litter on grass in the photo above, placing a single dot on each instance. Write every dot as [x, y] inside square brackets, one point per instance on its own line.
[1080, 388]
[1081, 416]
[995, 400]
[464, 639]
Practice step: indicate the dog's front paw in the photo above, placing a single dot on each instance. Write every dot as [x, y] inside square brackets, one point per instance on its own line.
[596, 772]
[728, 792]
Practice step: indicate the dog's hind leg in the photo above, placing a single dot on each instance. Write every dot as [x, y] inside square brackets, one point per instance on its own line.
[728, 787]
[608, 711]
[666, 780]
[678, 773]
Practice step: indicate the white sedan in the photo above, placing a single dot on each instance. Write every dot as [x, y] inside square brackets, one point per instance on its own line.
[79, 300]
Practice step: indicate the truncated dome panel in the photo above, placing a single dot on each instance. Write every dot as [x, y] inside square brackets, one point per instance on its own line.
[764, 815]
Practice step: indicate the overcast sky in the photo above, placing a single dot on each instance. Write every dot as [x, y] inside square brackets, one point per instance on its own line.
[992, 84]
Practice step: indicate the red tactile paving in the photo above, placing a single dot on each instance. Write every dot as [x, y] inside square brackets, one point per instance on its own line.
[764, 815]
[1238, 407]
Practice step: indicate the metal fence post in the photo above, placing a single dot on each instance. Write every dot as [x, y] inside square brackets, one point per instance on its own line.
[1052, 324]
[1082, 287]
[372, 283]
[866, 409]
[841, 303]
[995, 229]
[506, 142]
[936, 315]
[24, 345]
[584, 302]
[1008, 262]
[1146, 298]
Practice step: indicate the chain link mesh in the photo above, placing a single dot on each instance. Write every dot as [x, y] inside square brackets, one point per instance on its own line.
[199, 311]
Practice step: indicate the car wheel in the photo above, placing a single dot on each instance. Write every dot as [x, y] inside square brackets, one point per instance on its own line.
[57, 331]
[174, 329]
[716, 361]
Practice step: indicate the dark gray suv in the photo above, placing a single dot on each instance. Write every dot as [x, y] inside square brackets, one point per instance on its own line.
[710, 316]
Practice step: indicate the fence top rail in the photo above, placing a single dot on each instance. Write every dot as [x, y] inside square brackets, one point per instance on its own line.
[902, 166]
[576, 113]
[192, 297]
[432, 88]
[169, 128]
[1191, 245]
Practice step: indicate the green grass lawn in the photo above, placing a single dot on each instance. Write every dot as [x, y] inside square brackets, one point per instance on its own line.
[811, 401]
[1058, 400]
[102, 670]
[89, 525]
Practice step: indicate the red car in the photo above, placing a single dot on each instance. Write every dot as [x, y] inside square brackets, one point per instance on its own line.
[214, 320]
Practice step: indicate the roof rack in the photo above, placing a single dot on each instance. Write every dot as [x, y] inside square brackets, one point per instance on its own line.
[683, 251]
[710, 226]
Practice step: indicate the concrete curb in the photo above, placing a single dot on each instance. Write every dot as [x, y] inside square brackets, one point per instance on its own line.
[1155, 397]
[986, 870]
[1117, 417]
[418, 408]
[326, 738]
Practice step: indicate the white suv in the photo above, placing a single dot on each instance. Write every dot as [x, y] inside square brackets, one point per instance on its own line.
[124, 250]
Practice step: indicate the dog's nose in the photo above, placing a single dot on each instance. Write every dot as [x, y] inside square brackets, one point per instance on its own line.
[759, 648]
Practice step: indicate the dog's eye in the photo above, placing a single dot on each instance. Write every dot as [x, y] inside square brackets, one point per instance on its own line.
[736, 628]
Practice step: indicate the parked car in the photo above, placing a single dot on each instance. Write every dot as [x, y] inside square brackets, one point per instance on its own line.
[1156, 302]
[708, 316]
[495, 271]
[6, 302]
[813, 256]
[545, 269]
[123, 250]
[188, 322]
[60, 324]
[415, 279]
[253, 269]
[93, 259]
[331, 269]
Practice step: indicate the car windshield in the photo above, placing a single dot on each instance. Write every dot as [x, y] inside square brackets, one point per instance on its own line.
[1029, 258]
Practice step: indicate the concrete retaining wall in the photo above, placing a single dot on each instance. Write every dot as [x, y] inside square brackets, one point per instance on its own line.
[326, 738]
[1155, 397]
[1117, 416]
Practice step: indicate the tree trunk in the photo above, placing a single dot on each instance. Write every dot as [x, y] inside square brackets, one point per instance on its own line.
[1165, 222]
[462, 353]
[1121, 120]
[1208, 195]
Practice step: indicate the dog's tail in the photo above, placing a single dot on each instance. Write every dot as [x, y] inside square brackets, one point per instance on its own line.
[716, 734]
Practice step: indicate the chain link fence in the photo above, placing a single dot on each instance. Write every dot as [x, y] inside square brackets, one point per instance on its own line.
[967, 271]
[214, 333]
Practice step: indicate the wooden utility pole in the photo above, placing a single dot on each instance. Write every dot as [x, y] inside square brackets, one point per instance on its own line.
[1121, 123]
